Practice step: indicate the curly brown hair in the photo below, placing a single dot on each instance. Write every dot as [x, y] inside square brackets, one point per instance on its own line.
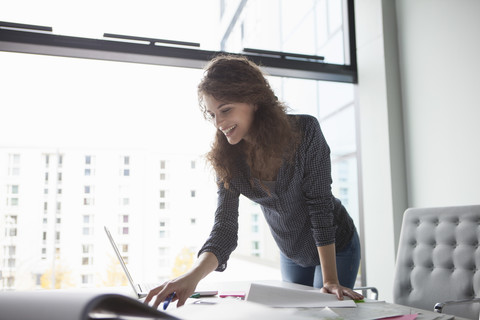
[274, 137]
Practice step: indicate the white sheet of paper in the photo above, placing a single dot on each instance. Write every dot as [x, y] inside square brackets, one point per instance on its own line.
[233, 310]
[287, 298]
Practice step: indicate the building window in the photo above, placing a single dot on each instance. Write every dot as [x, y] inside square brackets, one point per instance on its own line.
[193, 164]
[162, 205]
[162, 164]
[13, 202]
[87, 248]
[14, 189]
[11, 262]
[87, 279]
[162, 176]
[125, 218]
[125, 230]
[88, 160]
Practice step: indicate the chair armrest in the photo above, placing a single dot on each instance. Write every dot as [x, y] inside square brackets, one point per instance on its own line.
[439, 306]
[364, 291]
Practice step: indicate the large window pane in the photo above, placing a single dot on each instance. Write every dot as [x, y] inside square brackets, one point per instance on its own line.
[88, 143]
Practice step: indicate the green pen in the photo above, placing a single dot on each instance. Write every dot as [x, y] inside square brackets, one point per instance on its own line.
[195, 295]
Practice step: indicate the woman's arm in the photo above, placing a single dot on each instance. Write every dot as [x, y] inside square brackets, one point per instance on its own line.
[185, 285]
[329, 274]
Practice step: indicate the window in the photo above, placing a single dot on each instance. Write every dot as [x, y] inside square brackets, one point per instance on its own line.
[87, 279]
[87, 248]
[86, 231]
[14, 202]
[141, 141]
[14, 189]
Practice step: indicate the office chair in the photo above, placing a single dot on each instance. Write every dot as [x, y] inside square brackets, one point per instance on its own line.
[438, 260]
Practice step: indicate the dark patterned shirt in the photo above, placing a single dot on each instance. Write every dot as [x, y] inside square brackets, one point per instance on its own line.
[301, 211]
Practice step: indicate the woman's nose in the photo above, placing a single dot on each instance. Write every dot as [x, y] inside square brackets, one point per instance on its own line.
[218, 121]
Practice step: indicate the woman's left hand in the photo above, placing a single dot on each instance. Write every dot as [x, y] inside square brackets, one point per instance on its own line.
[341, 291]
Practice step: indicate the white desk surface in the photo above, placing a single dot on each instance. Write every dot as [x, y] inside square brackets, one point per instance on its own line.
[370, 309]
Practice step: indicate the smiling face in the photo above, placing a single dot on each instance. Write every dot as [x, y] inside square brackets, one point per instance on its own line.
[234, 119]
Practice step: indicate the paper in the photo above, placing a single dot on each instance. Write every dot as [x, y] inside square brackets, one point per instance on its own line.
[294, 298]
[232, 309]
[403, 317]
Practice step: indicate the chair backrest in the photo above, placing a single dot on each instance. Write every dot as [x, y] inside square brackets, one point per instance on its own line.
[438, 259]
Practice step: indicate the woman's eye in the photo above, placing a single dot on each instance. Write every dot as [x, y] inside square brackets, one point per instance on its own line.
[225, 110]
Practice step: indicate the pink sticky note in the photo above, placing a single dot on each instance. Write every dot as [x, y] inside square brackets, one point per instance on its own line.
[403, 317]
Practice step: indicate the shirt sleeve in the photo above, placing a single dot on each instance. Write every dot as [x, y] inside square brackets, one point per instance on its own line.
[317, 184]
[224, 235]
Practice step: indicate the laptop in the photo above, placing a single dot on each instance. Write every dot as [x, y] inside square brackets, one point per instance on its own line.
[141, 290]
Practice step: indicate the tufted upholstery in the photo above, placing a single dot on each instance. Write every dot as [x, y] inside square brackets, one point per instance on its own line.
[438, 259]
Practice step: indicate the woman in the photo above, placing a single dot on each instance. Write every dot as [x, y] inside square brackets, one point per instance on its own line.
[282, 162]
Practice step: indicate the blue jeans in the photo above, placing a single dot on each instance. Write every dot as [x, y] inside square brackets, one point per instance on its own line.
[348, 262]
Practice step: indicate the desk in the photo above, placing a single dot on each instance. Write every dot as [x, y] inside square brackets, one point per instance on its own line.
[367, 310]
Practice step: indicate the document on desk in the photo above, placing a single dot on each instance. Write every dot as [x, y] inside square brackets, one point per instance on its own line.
[287, 298]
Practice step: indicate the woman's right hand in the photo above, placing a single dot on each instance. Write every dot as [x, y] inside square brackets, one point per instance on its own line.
[183, 287]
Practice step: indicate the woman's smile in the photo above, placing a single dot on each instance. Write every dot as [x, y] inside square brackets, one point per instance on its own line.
[228, 132]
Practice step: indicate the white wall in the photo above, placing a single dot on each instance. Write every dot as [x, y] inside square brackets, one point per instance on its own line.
[440, 51]
[418, 114]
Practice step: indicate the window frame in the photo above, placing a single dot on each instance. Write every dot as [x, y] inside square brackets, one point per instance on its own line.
[22, 38]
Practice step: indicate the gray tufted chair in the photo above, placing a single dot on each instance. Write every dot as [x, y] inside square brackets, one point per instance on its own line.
[438, 260]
